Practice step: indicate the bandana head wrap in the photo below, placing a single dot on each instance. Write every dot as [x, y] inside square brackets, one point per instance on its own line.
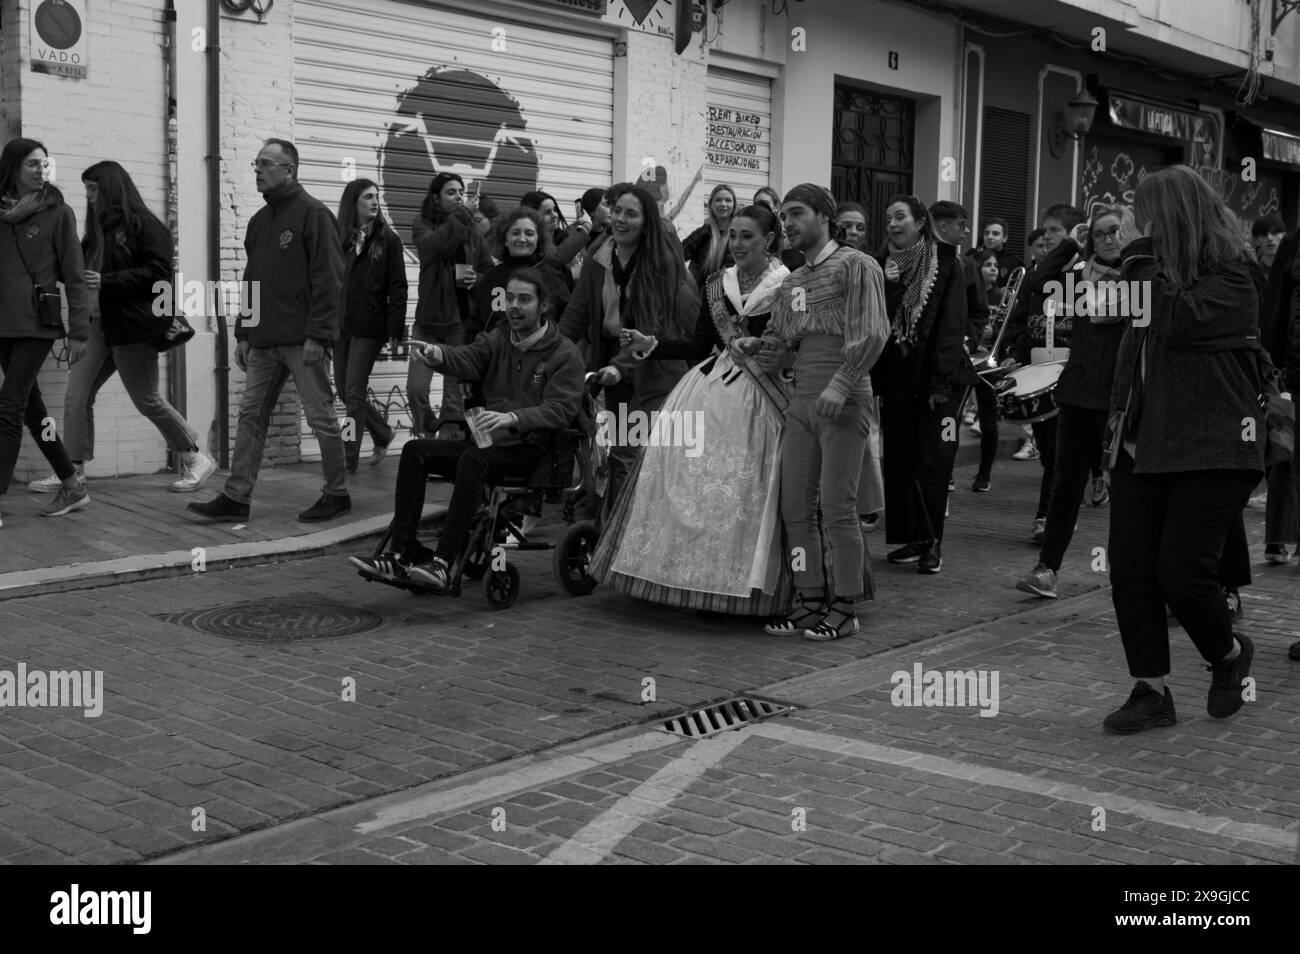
[818, 198]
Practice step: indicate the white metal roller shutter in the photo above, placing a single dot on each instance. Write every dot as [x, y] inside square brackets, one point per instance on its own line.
[396, 92]
[739, 132]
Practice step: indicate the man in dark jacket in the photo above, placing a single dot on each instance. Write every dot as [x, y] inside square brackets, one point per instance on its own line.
[1279, 320]
[294, 276]
[995, 241]
[532, 381]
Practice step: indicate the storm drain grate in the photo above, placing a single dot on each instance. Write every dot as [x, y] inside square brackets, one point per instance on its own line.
[283, 620]
[723, 716]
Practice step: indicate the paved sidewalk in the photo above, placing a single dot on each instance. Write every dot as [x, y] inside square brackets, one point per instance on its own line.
[259, 734]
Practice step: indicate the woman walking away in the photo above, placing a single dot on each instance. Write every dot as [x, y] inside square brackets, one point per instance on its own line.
[923, 374]
[452, 253]
[38, 249]
[374, 309]
[706, 249]
[1179, 480]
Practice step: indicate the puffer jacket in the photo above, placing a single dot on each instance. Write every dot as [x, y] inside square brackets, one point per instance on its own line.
[44, 227]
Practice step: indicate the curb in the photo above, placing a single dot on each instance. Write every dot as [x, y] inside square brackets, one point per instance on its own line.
[56, 579]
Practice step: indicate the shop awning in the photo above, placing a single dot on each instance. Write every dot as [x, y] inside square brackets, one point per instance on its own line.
[1281, 146]
[1162, 119]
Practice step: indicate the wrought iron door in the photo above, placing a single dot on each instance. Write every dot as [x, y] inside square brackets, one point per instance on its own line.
[871, 157]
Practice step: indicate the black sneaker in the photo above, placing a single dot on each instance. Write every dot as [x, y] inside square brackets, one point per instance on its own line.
[1277, 553]
[1041, 581]
[390, 567]
[1225, 685]
[327, 508]
[908, 554]
[981, 484]
[1145, 709]
[436, 574]
[1294, 652]
[221, 509]
[931, 560]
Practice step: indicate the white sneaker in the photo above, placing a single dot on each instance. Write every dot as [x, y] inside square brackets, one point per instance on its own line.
[975, 428]
[46, 485]
[1028, 451]
[195, 469]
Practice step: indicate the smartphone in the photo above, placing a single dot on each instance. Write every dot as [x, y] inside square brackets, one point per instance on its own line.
[577, 209]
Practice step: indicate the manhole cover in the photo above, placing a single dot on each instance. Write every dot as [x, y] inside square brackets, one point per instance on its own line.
[279, 620]
[732, 714]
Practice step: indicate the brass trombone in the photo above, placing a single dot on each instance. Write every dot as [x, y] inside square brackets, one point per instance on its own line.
[987, 363]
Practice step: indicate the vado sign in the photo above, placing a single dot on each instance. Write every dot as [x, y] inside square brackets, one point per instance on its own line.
[58, 37]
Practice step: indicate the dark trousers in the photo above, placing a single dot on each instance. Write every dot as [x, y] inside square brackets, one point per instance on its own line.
[918, 461]
[621, 400]
[471, 468]
[986, 403]
[354, 359]
[1281, 525]
[1167, 536]
[1079, 433]
[1234, 571]
[1045, 439]
[21, 403]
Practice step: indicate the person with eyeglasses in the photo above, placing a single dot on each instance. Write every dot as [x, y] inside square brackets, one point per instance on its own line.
[294, 277]
[1083, 390]
[38, 250]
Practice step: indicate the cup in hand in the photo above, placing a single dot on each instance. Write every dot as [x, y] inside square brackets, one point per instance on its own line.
[482, 437]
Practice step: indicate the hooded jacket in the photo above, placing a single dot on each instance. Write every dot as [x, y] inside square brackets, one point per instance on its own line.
[374, 286]
[483, 317]
[295, 257]
[133, 265]
[542, 386]
[45, 229]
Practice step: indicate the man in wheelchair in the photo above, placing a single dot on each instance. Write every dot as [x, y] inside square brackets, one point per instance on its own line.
[532, 383]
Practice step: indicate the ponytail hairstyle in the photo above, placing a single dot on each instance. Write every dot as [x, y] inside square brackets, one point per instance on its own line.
[652, 292]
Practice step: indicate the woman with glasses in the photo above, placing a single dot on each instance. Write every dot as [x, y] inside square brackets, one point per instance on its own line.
[38, 249]
[374, 309]
[1083, 390]
[452, 254]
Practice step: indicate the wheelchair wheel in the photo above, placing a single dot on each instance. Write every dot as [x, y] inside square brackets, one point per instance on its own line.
[572, 557]
[501, 586]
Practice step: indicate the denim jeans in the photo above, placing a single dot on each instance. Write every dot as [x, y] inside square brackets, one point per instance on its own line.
[418, 378]
[137, 364]
[268, 370]
[21, 402]
[354, 359]
[821, 462]
[871, 482]
[1167, 538]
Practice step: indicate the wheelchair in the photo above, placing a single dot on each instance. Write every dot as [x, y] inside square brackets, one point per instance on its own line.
[569, 470]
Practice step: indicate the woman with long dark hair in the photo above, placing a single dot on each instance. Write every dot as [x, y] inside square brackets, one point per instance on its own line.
[374, 309]
[452, 254]
[566, 242]
[38, 249]
[707, 250]
[923, 373]
[1187, 443]
[637, 280]
[701, 529]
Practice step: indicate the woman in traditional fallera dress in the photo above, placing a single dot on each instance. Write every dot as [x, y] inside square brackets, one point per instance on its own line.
[699, 527]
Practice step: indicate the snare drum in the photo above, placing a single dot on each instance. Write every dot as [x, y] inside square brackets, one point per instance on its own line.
[1026, 395]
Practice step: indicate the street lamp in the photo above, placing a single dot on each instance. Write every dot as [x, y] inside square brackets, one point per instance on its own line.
[1074, 123]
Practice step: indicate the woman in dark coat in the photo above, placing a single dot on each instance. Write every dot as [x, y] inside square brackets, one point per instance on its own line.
[38, 249]
[374, 309]
[921, 377]
[1187, 438]
[520, 240]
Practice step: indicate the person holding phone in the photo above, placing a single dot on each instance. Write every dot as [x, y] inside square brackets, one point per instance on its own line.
[38, 249]
[452, 253]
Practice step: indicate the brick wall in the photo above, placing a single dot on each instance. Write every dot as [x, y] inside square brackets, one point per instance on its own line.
[118, 112]
[256, 104]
